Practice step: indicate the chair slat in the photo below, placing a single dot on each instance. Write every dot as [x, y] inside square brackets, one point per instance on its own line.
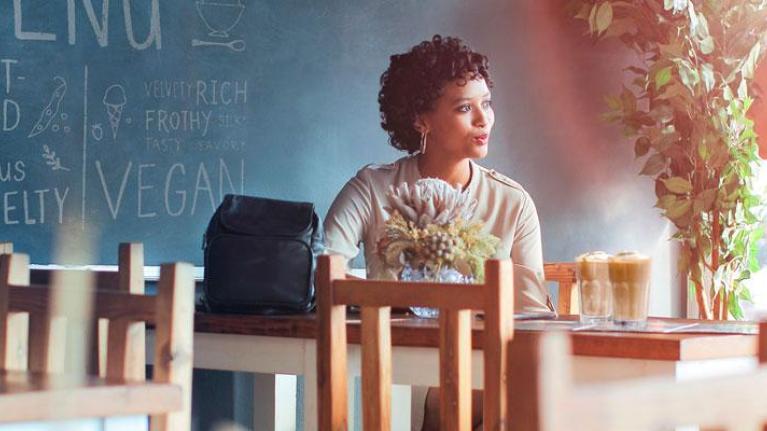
[41, 397]
[376, 368]
[13, 326]
[174, 330]
[108, 305]
[127, 339]
[455, 370]
[400, 294]
[331, 347]
[563, 273]
[499, 328]
[40, 360]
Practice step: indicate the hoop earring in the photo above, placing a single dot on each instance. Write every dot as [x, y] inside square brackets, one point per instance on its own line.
[423, 142]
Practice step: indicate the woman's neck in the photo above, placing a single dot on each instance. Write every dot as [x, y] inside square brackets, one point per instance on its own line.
[450, 170]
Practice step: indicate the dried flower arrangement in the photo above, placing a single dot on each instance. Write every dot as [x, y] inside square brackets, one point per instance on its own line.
[429, 230]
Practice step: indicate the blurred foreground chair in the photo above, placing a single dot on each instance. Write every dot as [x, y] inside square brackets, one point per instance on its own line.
[563, 274]
[376, 297]
[129, 278]
[35, 383]
[543, 397]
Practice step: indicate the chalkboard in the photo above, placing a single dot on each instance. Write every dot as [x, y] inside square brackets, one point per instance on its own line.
[129, 120]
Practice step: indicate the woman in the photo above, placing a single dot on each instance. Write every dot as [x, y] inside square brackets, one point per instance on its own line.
[435, 104]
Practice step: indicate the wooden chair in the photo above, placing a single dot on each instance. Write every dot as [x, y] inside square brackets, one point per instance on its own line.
[376, 297]
[33, 390]
[563, 273]
[543, 397]
[128, 278]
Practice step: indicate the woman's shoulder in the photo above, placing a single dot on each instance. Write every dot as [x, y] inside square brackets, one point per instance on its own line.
[501, 182]
[382, 172]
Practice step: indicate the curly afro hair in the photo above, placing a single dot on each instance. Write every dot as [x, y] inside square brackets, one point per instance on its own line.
[414, 81]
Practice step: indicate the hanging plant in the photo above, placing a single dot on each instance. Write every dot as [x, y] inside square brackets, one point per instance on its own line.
[685, 112]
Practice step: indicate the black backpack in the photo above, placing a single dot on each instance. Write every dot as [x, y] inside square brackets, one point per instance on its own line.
[260, 256]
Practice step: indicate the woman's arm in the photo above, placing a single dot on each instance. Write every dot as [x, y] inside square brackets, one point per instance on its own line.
[527, 254]
[347, 218]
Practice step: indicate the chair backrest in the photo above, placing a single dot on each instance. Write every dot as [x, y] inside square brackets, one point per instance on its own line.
[563, 273]
[171, 311]
[376, 297]
[543, 397]
[129, 278]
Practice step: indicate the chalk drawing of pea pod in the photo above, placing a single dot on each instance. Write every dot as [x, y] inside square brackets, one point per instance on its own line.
[51, 109]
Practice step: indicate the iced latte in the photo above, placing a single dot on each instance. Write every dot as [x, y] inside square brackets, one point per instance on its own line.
[630, 279]
[594, 286]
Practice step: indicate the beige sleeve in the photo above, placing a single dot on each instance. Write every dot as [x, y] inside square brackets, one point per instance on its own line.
[347, 219]
[530, 290]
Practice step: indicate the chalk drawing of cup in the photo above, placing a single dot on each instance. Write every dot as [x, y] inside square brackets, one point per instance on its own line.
[220, 16]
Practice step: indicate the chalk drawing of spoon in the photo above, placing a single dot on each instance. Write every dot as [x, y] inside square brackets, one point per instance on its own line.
[237, 45]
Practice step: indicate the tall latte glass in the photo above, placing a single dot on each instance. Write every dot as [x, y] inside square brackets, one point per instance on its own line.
[630, 279]
[594, 286]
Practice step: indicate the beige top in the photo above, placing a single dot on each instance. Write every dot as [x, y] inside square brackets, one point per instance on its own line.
[357, 216]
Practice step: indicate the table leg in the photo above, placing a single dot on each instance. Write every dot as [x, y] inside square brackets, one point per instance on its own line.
[274, 402]
[310, 385]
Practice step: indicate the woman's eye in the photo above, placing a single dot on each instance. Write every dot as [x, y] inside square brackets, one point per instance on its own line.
[487, 104]
[464, 108]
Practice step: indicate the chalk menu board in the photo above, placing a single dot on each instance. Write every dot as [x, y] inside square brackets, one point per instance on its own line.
[128, 120]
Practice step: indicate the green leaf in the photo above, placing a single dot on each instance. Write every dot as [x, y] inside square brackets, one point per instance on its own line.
[734, 308]
[703, 150]
[641, 146]
[629, 101]
[678, 209]
[614, 103]
[743, 89]
[749, 65]
[604, 16]
[688, 75]
[678, 185]
[592, 19]
[707, 74]
[666, 201]
[744, 293]
[662, 77]
[707, 45]
[653, 165]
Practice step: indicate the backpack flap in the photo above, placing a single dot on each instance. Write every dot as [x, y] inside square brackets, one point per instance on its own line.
[261, 216]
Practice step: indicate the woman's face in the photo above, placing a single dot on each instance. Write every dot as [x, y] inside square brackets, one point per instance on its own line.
[459, 124]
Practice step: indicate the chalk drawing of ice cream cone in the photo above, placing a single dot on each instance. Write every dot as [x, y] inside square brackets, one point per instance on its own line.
[114, 101]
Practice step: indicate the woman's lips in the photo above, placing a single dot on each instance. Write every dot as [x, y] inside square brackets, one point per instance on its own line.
[481, 139]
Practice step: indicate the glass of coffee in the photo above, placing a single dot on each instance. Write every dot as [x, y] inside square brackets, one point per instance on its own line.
[593, 277]
[630, 279]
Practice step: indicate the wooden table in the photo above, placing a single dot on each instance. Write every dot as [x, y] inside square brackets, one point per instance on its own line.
[285, 347]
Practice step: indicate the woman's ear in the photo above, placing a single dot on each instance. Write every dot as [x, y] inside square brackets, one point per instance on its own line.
[420, 125]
